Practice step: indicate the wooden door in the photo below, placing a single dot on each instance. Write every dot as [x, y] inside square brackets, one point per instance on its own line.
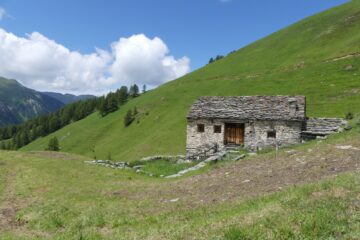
[234, 133]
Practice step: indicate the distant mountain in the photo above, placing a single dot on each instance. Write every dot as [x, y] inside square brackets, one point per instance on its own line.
[18, 103]
[67, 98]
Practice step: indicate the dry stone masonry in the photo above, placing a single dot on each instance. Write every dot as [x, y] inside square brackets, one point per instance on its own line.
[254, 122]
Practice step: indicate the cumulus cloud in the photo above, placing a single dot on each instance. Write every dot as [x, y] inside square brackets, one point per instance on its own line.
[2, 13]
[43, 64]
[139, 58]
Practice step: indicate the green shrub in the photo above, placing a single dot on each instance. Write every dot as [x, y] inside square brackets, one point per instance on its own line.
[349, 116]
[53, 144]
[129, 118]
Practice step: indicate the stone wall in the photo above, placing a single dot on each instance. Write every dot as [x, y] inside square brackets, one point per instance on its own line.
[256, 134]
[195, 139]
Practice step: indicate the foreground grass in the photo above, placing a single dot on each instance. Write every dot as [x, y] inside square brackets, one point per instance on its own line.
[57, 196]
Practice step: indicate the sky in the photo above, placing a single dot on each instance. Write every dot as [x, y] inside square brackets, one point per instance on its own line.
[95, 46]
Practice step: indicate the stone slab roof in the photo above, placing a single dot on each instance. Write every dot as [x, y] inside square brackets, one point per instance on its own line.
[323, 126]
[289, 108]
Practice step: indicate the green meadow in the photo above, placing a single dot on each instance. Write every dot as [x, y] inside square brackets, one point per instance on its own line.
[49, 195]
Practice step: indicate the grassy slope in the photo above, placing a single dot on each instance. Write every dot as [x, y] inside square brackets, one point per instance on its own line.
[59, 197]
[291, 61]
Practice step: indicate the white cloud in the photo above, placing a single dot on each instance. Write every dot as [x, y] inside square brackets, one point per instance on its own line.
[43, 64]
[139, 58]
[2, 13]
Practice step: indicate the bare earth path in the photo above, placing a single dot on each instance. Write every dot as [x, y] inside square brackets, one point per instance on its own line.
[255, 176]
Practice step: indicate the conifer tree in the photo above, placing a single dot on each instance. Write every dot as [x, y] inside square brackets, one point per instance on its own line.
[128, 118]
[122, 95]
[134, 91]
[144, 88]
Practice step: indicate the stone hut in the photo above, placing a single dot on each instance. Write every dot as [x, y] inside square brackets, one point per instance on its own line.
[255, 122]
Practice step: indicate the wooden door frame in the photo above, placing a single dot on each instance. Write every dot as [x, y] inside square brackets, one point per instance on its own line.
[236, 125]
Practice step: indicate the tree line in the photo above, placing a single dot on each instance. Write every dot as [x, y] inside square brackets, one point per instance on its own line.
[16, 136]
[217, 58]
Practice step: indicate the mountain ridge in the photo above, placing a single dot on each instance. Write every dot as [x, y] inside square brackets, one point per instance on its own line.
[68, 98]
[19, 103]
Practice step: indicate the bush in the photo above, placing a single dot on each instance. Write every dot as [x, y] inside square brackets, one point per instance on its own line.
[349, 116]
[53, 144]
[129, 118]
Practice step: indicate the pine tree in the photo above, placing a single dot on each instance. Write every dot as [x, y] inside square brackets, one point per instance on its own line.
[111, 103]
[122, 95]
[128, 118]
[102, 106]
[25, 137]
[144, 88]
[218, 57]
[134, 91]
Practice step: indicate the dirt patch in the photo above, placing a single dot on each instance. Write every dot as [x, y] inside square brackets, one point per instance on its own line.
[252, 177]
[351, 55]
[53, 155]
[9, 208]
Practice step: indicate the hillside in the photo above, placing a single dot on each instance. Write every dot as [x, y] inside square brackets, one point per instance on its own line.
[18, 103]
[317, 57]
[310, 192]
[67, 98]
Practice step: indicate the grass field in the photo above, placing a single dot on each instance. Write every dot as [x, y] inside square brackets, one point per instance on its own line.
[317, 57]
[47, 195]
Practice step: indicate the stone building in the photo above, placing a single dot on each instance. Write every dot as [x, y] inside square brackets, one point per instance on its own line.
[255, 122]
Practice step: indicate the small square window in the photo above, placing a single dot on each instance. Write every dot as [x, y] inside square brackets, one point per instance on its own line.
[217, 129]
[201, 128]
[271, 134]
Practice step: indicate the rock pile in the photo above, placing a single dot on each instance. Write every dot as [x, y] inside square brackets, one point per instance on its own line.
[216, 157]
[166, 157]
[203, 151]
[108, 163]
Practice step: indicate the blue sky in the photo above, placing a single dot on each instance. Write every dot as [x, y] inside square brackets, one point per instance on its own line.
[196, 29]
